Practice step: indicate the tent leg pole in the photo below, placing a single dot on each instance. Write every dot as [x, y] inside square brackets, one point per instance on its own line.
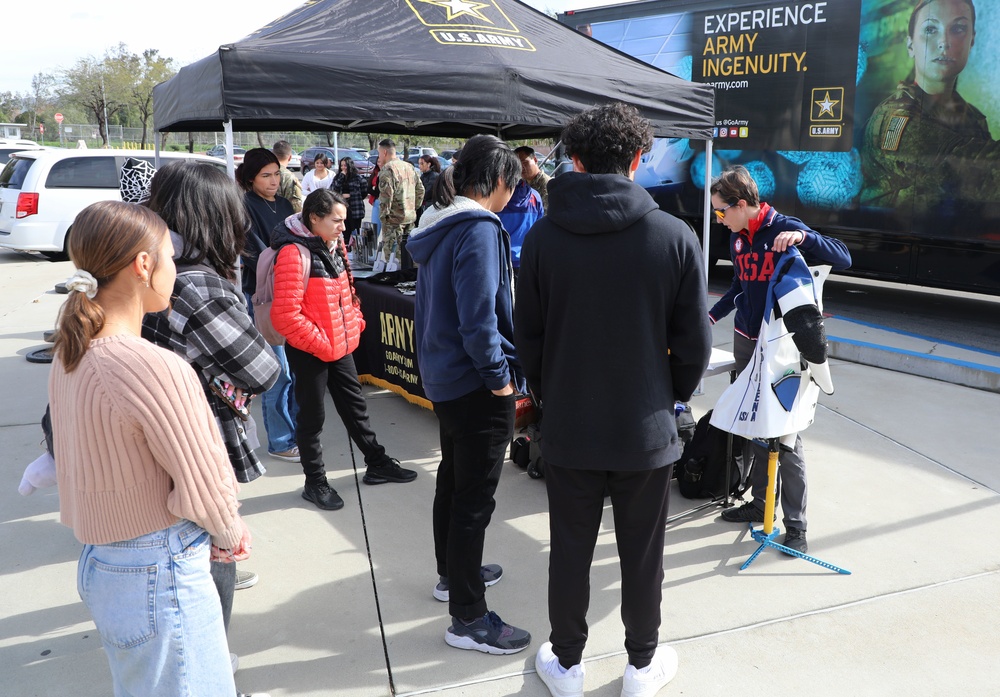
[227, 126]
[706, 218]
[157, 140]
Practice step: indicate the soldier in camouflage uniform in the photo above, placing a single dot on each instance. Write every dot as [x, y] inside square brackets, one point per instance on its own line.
[290, 187]
[925, 145]
[918, 152]
[400, 193]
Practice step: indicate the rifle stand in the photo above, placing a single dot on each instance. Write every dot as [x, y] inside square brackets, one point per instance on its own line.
[767, 534]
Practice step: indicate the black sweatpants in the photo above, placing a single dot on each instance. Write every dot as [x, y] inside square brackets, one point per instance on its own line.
[576, 505]
[475, 432]
[313, 378]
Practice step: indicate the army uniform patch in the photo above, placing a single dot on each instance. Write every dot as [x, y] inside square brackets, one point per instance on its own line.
[890, 141]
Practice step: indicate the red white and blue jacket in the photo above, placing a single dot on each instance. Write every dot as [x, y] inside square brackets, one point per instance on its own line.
[754, 263]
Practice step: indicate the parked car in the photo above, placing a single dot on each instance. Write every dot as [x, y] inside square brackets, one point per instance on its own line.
[41, 191]
[309, 154]
[220, 152]
[9, 146]
[295, 164]
[422, 151]
[415, 159]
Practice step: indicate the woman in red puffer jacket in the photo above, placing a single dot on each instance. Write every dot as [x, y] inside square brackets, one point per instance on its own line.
[322, 324]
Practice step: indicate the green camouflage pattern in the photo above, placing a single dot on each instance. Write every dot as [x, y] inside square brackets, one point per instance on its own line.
[391, 235]
[918, 152]
[400, 192]
[291, 188]
[540, 183]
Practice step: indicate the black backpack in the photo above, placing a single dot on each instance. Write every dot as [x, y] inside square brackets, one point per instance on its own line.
[702, 467]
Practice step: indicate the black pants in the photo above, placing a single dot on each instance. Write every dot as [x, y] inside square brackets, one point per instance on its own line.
[313, 377]
[351, 225]
[576, 504]
[475, 432]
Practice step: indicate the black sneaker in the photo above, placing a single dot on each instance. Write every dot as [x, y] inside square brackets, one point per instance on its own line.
[388, 471]
[490, 573]
[488, 634]
[323, 495]
[795, 539]
[747, 513]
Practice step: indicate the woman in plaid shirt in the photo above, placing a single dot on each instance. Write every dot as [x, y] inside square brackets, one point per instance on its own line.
[208, 322]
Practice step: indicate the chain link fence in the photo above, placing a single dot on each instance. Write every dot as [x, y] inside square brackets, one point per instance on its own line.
[71, 134]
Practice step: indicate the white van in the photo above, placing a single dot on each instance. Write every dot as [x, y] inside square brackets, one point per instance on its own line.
[9, 146]
[41, 191]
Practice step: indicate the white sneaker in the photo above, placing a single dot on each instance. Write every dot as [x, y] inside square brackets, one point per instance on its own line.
[235, 661]
[651, 679]
[560, 683]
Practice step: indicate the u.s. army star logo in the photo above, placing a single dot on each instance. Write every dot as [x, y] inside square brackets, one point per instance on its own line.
[469, 23]
[457, 8]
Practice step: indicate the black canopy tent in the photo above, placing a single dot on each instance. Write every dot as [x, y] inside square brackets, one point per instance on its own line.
[428, 67]
[424, 67]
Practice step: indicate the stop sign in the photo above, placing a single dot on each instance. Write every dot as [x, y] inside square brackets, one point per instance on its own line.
[59, 118]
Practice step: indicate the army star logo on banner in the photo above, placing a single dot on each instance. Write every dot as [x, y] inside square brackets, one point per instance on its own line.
[469, 23]
[457, 8]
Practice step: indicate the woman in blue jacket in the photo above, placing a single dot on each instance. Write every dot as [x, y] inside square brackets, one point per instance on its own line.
[760, 235]
[465, 330]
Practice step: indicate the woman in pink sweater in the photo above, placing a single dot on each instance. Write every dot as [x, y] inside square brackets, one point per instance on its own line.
[144, 478]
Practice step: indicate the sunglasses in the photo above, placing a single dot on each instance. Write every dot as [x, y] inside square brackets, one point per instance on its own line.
[721, 212]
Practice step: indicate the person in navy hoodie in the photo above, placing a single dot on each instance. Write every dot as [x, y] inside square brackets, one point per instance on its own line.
[760, 235]
[523, 210]
[470, 372]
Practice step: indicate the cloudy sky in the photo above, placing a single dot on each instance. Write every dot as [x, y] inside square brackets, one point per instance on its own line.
[185, 30]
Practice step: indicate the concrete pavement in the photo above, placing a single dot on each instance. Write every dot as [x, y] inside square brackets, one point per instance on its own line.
[904, 480]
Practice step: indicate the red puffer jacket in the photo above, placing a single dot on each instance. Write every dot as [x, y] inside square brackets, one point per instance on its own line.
[323, 320]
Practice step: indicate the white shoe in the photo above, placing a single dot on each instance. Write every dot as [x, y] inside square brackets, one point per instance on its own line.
[654, 677]
[235, 661]
[561, 683]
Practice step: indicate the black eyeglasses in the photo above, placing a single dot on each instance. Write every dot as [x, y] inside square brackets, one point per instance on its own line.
[721, 212]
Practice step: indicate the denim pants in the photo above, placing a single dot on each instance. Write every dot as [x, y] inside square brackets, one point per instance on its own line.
[278, 404]
[475, 432]
[158, 614]
[376, 221]
[313, 379]
[280, 408]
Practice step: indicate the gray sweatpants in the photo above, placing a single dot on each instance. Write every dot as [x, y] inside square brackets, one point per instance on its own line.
[792, 487]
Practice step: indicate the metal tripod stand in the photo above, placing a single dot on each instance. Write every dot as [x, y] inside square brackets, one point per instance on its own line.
[767, 534]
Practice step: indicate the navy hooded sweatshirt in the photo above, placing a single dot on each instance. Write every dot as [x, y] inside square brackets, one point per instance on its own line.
[611, 323]
[464, 304]
[754, 262]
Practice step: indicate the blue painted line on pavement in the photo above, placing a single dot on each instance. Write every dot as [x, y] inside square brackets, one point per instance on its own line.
[917, 336]
[917, 354]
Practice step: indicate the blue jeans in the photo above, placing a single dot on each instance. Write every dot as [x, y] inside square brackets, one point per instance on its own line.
[280, 408]
[278, 403]
[375, 219]
[158, 614]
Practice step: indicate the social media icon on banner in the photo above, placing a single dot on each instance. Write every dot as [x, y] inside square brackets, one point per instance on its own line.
[723, 132]
[733, 132]
[744, 132]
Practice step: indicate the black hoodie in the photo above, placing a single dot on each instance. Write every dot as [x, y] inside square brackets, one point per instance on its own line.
[611, 323]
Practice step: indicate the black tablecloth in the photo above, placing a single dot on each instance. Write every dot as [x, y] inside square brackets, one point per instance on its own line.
[387, 354]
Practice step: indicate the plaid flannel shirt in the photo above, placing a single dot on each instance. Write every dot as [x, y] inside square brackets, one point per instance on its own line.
[209, 327]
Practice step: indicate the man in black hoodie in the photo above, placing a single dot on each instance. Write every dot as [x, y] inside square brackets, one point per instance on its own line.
[611, 325]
